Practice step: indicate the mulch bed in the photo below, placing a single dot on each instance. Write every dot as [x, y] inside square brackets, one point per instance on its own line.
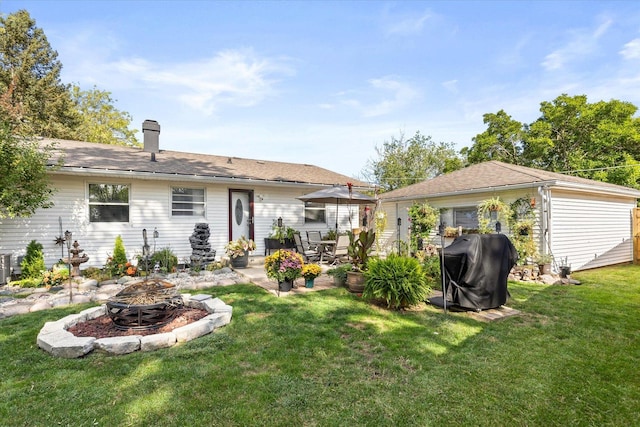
[103, 326]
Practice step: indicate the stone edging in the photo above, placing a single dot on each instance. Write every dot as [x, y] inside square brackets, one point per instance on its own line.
[55, 338]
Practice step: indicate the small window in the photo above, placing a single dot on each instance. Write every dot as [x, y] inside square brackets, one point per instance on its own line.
[187, 201]
[465, 217]
[108, 203]
[314, 213]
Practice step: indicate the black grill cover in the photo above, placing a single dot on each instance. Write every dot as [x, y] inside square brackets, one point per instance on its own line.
[476, 270]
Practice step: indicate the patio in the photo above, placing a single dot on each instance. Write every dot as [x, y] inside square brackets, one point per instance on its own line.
[255, 273]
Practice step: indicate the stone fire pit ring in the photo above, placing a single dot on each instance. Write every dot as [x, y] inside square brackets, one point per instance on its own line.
[55, 338]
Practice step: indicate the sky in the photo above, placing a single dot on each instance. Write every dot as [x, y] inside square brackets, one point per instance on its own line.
[328, 82]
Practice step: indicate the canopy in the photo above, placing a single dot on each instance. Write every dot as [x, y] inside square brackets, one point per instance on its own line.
[476, 270]
[339, 195]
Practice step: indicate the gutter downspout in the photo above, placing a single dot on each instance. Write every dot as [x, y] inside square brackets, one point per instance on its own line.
[545, 217]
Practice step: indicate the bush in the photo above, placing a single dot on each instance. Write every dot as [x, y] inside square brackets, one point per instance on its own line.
[56, 276]
[429, 257]
[398, 281]
[165, 258]
[32, 265]
[119, 254]
[117, 265]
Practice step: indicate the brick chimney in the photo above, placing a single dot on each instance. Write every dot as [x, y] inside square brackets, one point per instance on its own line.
[151, 132]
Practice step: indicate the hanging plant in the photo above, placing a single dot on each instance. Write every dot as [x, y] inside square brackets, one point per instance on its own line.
[491, 211]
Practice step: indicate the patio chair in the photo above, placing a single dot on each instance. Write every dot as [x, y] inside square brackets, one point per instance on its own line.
[314, 237]
[340, 252]
[309, 255]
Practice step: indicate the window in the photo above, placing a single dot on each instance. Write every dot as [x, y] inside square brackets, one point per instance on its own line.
[108, 203]
[465, 217]
[187, 201]
[314, 213]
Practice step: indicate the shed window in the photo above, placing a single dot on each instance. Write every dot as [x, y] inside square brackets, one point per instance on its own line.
[108, 203]
[465, 217]
[314, 213]
[187, 201]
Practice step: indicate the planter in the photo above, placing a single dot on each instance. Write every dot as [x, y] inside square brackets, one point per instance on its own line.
[285, 286]
[544, 268]
[275, 244]
[355, 281]
[240, 261]
[339, 281]
[308, 283]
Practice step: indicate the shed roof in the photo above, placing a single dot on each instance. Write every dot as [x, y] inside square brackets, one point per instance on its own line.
[92, 158]
[495, 175]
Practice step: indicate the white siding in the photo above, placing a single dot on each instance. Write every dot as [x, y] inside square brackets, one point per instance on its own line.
[150, 208]
[590, 230]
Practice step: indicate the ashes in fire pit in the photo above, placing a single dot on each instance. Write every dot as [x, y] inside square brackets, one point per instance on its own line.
[144, 305]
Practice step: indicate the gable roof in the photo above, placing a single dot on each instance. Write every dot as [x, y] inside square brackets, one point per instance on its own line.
[495, 175]
[86, 158]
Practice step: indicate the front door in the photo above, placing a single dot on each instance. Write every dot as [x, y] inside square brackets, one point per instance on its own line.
[240, 214]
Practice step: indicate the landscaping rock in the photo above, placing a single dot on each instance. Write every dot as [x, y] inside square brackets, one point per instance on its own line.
[157, 341]
[88, 285]
[119, 345]
[193, 330]
[40, 305]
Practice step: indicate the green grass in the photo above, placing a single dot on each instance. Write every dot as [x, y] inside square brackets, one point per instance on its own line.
[329, 359]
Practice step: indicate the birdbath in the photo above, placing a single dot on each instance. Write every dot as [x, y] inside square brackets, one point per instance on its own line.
[76, 259]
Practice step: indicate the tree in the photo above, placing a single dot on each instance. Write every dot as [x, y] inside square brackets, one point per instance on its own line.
[24, 182]
[593, 140]
[33, 100]
[100, 121]
[404, 162]
[501, 141]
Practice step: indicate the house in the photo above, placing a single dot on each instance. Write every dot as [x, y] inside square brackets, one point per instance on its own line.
[582, 222]
[103, 191]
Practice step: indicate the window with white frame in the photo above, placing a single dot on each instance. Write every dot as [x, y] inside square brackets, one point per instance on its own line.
[465, 217]
[187, 201]
[314, 213]
[108, 203]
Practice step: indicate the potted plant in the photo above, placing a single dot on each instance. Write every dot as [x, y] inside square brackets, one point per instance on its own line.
[339, 273]
[279, 238]
[310, 272]
[238, 251]
[284, 266]
[359, 247]
[544, 263]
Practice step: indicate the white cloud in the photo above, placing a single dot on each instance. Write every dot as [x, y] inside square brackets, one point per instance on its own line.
[581, 44]
[410, 25]
[451, 85]
[394, 93]
[631, 50]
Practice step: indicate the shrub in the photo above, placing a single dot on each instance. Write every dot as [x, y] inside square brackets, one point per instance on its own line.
[429, 257]
[397, 281]
[165, 258]
[32, 265]
[119, 254]
[56, 276]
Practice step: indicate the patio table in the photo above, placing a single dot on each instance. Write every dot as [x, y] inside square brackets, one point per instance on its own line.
[323, 246]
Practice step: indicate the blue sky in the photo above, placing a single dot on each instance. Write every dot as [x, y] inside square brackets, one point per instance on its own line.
[326, 82]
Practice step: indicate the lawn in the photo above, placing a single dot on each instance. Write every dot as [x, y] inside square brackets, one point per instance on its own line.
[329, 359]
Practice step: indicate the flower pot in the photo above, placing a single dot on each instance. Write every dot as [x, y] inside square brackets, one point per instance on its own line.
[240, 261]
[355, 281]
[285, 286]
[544, 268]
[308, 283]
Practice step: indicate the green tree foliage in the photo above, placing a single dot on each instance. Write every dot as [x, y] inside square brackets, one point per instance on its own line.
[24, 182]
[501, 141]
[598, 140]
[33, 100]
[119, 253]
[403, 162]
[100, 121]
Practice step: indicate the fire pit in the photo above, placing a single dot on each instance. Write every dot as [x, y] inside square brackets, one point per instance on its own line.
[144, 305]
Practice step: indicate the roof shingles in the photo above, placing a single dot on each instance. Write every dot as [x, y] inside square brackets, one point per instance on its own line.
[91, 156]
